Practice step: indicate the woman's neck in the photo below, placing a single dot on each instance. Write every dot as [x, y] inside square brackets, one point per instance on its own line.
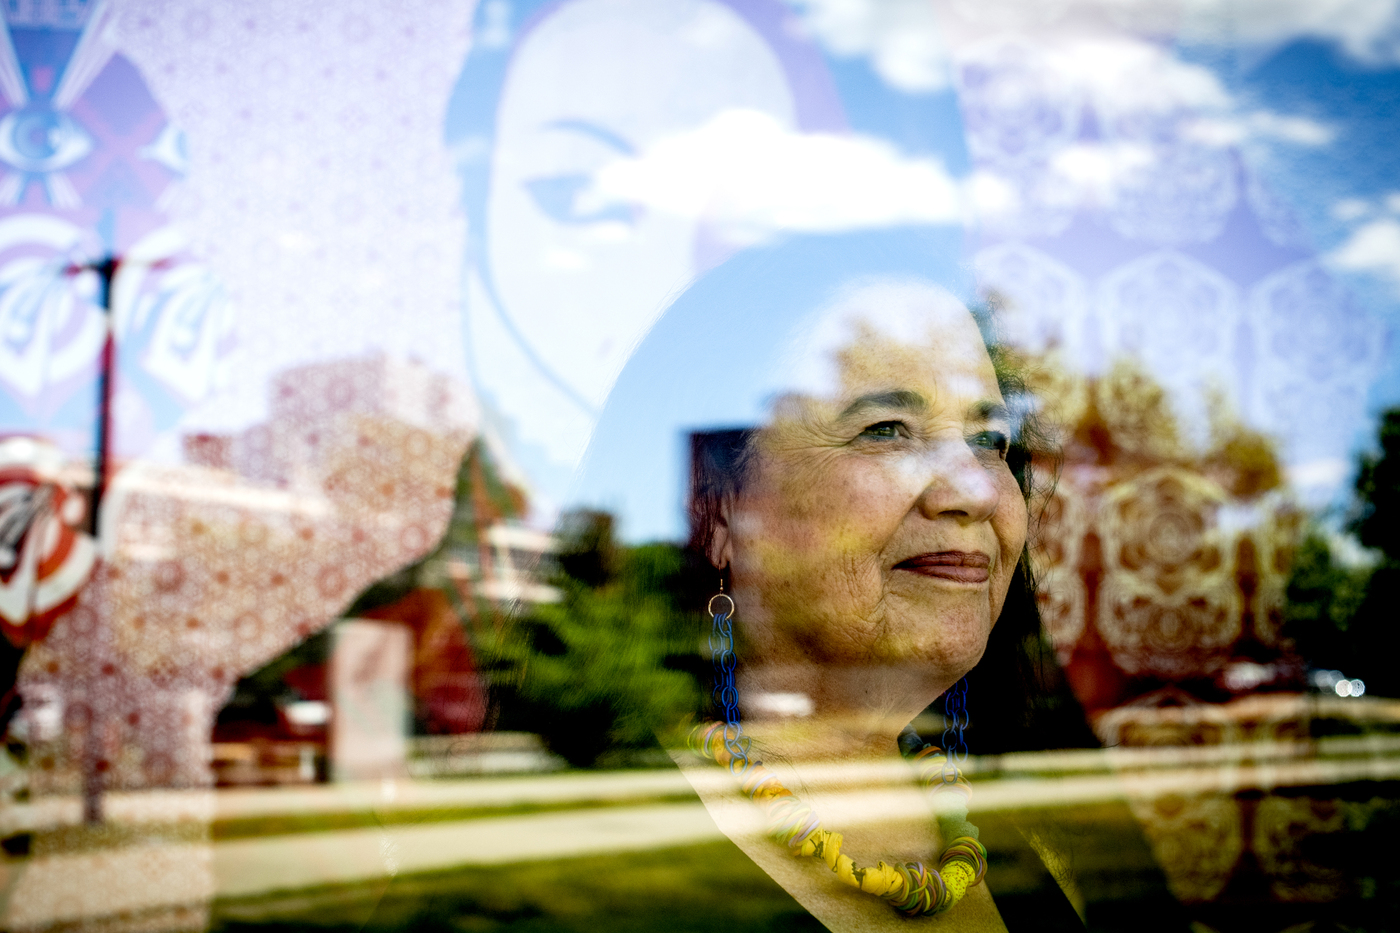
[804, 711]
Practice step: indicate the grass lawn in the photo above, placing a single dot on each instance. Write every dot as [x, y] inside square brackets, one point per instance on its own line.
[714, 887]
[672, 890]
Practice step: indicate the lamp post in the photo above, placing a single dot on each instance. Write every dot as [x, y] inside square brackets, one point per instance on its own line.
[106, 270]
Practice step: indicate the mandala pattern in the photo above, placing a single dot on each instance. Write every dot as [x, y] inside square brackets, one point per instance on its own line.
[1040, 303]
[1168, 605]
[1062, 600]
[1173, 637]
[1278, 221]
[1061, 393]
[1138, 414]
[1286, 831]
[1197, 841]
[1182, 195]
[1017, 109]
[1018, 113]
[1055, 557]
[1181, 318]
[1317, 352]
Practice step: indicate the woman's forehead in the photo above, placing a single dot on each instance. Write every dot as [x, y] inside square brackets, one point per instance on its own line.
[891, 334]
[640, 68]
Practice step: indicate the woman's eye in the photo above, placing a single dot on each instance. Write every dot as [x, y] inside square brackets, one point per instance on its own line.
[993, 440]
[886, 430]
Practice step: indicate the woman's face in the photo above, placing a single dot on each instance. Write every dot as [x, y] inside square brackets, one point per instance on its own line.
[581, 279]
[881, 523]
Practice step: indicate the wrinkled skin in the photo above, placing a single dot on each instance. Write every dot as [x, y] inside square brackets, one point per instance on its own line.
[897, 450]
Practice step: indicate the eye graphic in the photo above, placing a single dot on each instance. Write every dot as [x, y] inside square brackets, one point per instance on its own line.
[40, 140]
[567, 198]
[558, 197]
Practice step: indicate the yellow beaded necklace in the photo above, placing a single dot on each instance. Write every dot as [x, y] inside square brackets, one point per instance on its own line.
[911, 887]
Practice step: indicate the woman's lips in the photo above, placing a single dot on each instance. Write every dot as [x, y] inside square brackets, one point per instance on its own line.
[960, 566]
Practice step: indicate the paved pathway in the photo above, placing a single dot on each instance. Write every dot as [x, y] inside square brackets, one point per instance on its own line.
[260, 865]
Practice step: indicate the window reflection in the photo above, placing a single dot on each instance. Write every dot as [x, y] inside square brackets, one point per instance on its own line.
[394, 612]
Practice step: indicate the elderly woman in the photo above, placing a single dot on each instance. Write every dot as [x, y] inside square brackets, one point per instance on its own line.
[865, 520]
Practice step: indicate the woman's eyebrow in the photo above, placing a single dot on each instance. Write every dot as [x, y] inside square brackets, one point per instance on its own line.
[593, 131]
[988, 410]
[895, 398]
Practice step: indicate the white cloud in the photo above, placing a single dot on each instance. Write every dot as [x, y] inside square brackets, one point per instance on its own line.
[1367, 30]
[990, 195]
[749, 176]
[1099, 169]
[1373, 247]
[1349, 209]
[901, 38]
[1261, 124]
[1129, 75]
[907, 43]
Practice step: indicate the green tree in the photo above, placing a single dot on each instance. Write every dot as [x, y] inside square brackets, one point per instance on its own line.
[1374, 631]
[1324, 597]
[1345, 617]
[612, 662]
[1377, 522]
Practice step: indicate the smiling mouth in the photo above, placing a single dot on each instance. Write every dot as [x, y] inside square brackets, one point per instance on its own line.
[958, 566]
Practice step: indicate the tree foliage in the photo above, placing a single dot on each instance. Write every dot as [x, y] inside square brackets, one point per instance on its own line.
[613, 660]
[1345, 617]
[1324, 597]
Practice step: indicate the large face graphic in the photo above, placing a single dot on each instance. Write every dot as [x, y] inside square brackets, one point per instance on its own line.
[572, 280]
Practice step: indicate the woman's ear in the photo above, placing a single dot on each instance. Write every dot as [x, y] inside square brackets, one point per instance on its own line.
[720, 549]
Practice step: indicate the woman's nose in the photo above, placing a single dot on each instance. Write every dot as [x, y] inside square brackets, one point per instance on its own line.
[957, 483]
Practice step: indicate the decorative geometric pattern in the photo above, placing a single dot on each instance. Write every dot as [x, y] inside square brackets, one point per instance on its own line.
[1317, 351]
[1055, 549]
[1018, 113]
[210, 575]
[1061, 392]
[1161, 528]
[1168, 604]
[1197, 841]
[1137, 413]
[1017, 110]
[1184, 635]
[1182, 195]
[1040, 302]
[87, 162]
[1286, 831]
[284, 109]
[1181, 318]
[276, 521]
